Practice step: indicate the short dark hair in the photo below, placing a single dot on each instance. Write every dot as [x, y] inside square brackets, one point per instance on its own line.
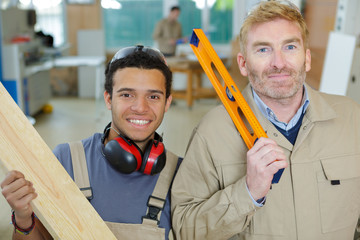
[140, 60]
[174, 8]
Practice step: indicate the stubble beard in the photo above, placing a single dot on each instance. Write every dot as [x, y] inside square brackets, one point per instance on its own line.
[278, 91]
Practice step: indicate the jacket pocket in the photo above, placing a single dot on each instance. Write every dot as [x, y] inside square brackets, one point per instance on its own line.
[339, 192]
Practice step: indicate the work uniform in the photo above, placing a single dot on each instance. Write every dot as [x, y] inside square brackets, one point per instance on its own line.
[317, 198]
[166, 30]
[122, 200]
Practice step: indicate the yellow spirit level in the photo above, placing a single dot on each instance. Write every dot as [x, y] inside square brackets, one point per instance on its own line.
[229, 94]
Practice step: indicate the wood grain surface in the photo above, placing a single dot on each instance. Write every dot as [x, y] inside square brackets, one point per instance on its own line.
[60, 205]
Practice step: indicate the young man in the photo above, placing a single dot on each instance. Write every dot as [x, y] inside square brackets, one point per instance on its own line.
[224, 191]
[125, 162]
[168, 31]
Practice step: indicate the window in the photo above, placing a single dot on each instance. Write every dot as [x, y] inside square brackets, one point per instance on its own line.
[132, 22]
[221, 21]
[50, 20]
[49, 17]
[215, 18]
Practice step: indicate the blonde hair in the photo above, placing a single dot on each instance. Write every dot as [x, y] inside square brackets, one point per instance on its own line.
[271, 10]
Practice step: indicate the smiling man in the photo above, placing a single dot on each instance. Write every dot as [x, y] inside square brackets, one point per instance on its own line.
[128, 171]
[224, 191]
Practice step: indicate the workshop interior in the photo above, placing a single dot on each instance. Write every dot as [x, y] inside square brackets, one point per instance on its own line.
[54, 54]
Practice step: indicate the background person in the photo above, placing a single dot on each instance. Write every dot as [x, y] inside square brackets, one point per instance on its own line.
[223, 190]
[168, 33]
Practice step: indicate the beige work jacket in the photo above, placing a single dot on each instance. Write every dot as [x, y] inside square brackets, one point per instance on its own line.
[209, 195]
[165, 31]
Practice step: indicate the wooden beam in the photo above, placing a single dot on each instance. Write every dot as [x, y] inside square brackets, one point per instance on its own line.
[60, 205]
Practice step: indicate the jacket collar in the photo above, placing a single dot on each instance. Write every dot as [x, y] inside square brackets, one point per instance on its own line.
[318, 110]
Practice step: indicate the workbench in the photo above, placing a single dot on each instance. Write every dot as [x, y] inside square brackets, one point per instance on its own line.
[96, 62]
[194, 88]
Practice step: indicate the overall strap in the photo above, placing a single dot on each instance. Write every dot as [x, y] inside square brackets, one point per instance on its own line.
[81, 175]
[156, 201]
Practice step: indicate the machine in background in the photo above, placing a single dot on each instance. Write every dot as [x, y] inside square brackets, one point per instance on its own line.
[26, 68]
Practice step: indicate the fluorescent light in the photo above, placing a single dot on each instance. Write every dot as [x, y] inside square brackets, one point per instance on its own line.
[110, 4]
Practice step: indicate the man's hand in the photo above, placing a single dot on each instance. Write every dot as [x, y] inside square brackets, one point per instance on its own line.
[19, 193]
[264, 159]
[172, 41]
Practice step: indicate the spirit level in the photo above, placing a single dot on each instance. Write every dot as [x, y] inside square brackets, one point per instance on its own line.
[228, 93]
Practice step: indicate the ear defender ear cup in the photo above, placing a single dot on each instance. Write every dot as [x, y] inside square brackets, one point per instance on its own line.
[123, 155]
[126, 157]
[154, 158]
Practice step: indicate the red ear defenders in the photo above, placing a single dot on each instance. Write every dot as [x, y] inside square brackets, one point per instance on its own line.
[126, 157]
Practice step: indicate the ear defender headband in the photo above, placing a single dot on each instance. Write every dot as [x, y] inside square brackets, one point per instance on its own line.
[126, 157]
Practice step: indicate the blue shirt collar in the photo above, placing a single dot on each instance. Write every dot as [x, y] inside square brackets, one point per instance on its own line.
[270, 115]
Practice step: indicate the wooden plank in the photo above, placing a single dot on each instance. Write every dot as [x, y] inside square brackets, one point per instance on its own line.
[60, 205]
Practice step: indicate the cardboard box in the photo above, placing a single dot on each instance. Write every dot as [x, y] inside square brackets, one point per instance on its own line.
[64, 81]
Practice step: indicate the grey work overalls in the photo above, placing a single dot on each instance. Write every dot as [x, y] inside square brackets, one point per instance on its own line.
[149, 227]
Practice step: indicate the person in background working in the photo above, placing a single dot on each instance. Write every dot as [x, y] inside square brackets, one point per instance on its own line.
[224, 191]
[129, 169]
[168, 33]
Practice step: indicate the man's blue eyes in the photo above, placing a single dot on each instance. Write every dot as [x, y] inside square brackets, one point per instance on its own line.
[289, 47]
